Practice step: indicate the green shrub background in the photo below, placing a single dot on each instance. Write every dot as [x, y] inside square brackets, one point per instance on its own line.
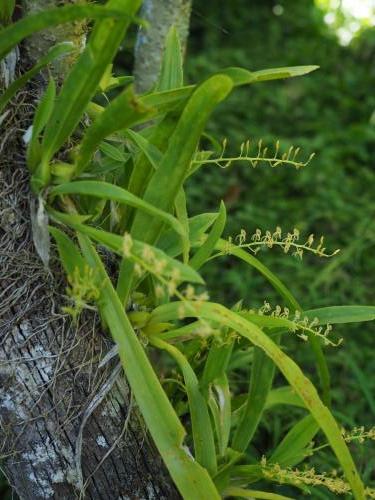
[330, 112]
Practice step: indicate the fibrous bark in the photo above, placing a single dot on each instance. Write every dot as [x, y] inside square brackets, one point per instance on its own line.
[50, 379]
[159, 15]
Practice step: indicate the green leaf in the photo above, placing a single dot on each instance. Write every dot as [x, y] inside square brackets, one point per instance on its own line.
[216, 313]
[342, 314]
[234, 491]
[283, 396]
[172, 99]
[41, 117]
[115, 243]
[12, 35]
[198, 225]
[69, 254]
[144, 165]
[204, 252]
[363, 381]
[219, 401]
[241, 76]
[204, 445]
[291, 302]
[107, 191]
[121, 113]
[113, 152]
[55, 52]
[165, 428]
[261, 379]
[171, 75]
[183, 218]
[118, 81]
[294, 447]
[226, 249]
[6, 10]
[216, 363]
[168, 100]
[152, 153]
[106, 165]
[218, 358]
[169, 177]
[264, 321]
[183, 333]
[82, 82]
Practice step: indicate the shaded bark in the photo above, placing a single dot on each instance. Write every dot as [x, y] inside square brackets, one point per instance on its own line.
[38, 44]
[49, 373]
[160, 16]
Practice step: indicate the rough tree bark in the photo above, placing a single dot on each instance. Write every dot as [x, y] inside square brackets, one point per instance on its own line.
[37, 45]
[160, 15]
[51, 384]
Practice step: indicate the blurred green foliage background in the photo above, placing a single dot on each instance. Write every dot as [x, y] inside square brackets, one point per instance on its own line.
[332, 113]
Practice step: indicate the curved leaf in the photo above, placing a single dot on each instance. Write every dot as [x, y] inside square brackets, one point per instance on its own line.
[204, 252]
[241, 76]
[294, 447]
[291, 371]
[107, 191]
[204, 445]
[55, 52]
[171, 74]
[173, 168]
[122, 112]
[234, 491]
[83, 80]
[342, 314]
[115, 243]
[16, 32]
[41, 117]
[191, 479]
[291, 302]
[261, 379]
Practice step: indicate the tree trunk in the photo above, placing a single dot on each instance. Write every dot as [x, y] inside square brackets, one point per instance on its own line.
[160, 16]
[69, 428]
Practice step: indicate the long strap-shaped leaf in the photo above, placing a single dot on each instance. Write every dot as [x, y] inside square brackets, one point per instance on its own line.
[291, 371]
[138, 249]
[42, 114]
[146, 161]
[57, 51]
[204, 445]
[236, 492]
[243, 76]
[121, 113]
[204, 251]
[107, 191]
[342, 314]
[294, 447]
[191, 479]
[168, 178]
[83, 80]
[171, 74]
[15, 33]
[261, 379]
[291, 302]
[168, 100]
